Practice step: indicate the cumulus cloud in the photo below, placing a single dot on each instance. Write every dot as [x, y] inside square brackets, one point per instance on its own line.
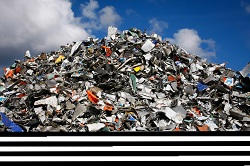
[108, 16]
[88, 9]
[157, 26]
[38, 25]
[97, 19]
[190, 40]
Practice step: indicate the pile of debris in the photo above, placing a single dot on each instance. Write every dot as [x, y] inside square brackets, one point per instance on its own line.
[127, 81]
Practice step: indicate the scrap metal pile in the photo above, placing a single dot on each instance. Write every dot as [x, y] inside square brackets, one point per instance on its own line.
[128, 81]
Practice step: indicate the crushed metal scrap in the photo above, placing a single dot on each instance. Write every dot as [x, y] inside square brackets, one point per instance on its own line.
[127, 81]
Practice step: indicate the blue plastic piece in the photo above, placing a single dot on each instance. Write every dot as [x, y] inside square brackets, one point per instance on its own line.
[132, 118]
[8, 123]
[122, 60]
[155, 41]
[2, 99]
[201, 87]
[229, 81]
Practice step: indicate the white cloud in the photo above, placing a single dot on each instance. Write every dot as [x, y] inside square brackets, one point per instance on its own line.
[97, 20]
[190, 40]
[38, 25]
[157, 26]
[108, 16]
[88, 9]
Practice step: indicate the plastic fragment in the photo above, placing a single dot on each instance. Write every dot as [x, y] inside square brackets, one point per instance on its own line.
[111, 32]
[229, 81]
[95, 126]
[148, 46]
[60, 59]
[201, 87]
[108, 108]
[75, 47]
[94, 99]
[27, 54]
[133, 82]
[203, 128]
[107, 50]
[136, 69]
[52, 101]
[10, 124]
[10, 74]
[2, 98]
[80, 110]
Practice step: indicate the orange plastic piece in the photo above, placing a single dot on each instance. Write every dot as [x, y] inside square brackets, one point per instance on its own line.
[224, 79]
[107, 50]
[108, 108]
[21, 95]
[10, 74]
[171, 78]
[92, 97]
[18, 69]
[177, 129]
[203, 128]
[116, 119]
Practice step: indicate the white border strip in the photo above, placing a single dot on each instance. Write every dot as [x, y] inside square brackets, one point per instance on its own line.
[126, 138]
[128, 158]
[128, 148]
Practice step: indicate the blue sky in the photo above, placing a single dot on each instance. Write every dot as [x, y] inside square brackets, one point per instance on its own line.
[216, 29]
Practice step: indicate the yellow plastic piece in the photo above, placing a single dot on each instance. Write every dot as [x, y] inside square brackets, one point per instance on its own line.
[59, 59]
[136, 69]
